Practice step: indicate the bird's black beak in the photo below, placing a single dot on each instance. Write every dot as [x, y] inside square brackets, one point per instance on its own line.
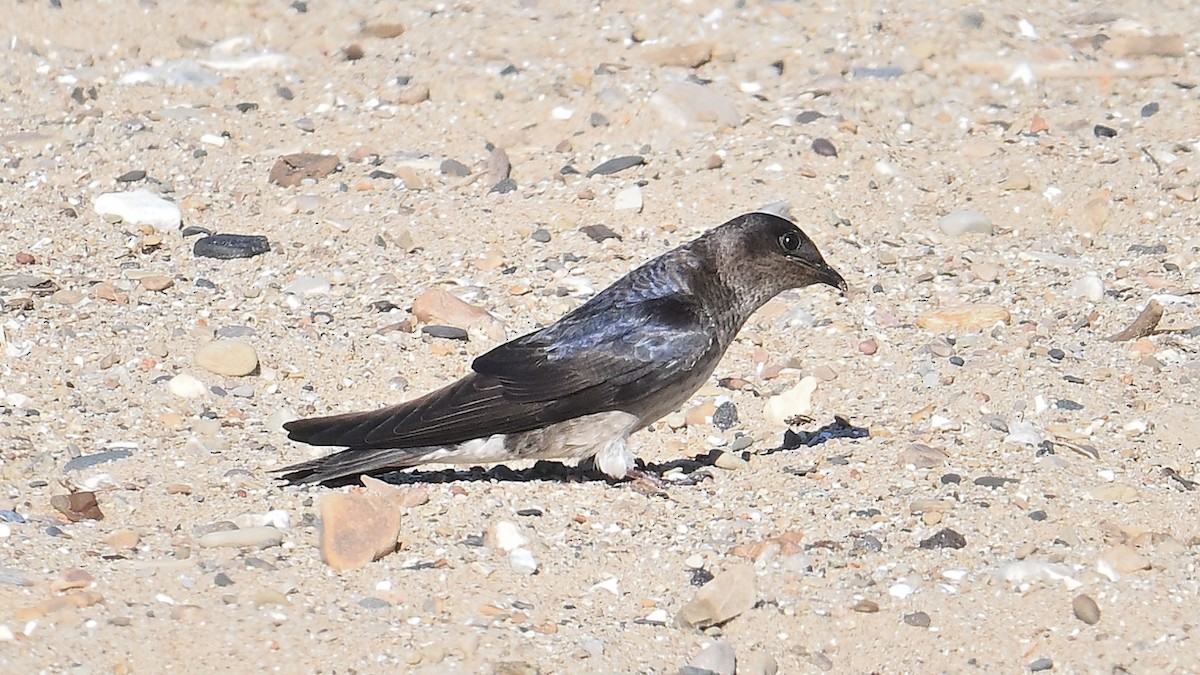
[830, 276]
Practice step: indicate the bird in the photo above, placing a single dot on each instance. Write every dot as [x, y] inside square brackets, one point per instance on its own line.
[576, 389]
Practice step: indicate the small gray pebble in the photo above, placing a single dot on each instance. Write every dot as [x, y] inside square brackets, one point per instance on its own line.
[374, 603]
[725, 416]
[445, 332]
[616, 164]
[1041, 664]
[540, 235]
[918, 619]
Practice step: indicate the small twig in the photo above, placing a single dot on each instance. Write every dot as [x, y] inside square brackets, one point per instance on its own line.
[1143, 325]
[1157, 166]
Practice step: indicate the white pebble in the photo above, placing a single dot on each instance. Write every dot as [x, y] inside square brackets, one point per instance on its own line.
[629, 199]
[308, 286]
[965, 221]
[609, 585]
[1090, 288]
[186, 386]
[522, 561]
[5, 531]
[506, 536]
[214, 140]
[140, 207]
[562, 113]
[900, 590]
[658, 616]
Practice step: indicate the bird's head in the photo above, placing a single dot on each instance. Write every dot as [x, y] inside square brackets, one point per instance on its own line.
[769, 254]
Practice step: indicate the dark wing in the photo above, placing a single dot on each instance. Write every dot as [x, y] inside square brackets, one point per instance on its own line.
[607, 355]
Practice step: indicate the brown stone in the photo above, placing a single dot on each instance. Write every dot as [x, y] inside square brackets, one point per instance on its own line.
[78, 506]
[968, 318]
[291, 170]
[356, 528]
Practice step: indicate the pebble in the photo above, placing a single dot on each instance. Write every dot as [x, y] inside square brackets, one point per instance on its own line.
[918, 619]
[505, 536]
[140, 207]
[728, 594]
[795, 401]
[1090, 288]
[691, 55]
[1040, 664]
[445, 332]
[725, 415]
[357, 528]
[1121, 559]
[693, 106]
[156, 282]
[436, 305]
[966, 221]
[972, 318]
[1086, 609]
[88, 461]
[123, 539]
[865, 606]
[1115, 492]
[521, 561]
[824, 147]
[307, 287]
[616, 164]
[292, 170]
[231, 358]
[921, 456]
[868, 346]
[717, 658]
[628, 199]
[231, 246]
[413, 94]
[186, 386]
[250, 537]
[599, 233]
[945, 538]
[730, 462]
[78, 506]
[757, 663]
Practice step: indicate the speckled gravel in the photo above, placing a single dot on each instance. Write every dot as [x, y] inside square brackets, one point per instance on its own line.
[1005, 187]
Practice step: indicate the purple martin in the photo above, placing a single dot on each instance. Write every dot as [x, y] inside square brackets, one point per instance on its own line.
[578, 388]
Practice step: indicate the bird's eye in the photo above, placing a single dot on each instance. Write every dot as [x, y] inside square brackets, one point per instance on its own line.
[790, 241]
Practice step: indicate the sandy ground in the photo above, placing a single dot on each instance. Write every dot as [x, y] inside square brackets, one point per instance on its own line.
[1059, 461]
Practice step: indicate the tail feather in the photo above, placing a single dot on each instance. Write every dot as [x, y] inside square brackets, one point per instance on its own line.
[352, 463]
[349, 429]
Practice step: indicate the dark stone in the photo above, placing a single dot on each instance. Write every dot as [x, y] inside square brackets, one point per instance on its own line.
[445, 332]
[1149, 109]
[616, 164]
[599, 233]
[1056, 354]
[568, 170]
[88, 461]
[1068, 404]
[246, 107]
[957, 360]
[946, 538]
[529, 512]
[725, 416]
[598, 120]
[504, 187]
[1037, 516]
[1102, 131]
[1041, 664]
[824, 147]
[284, 93]
[951, 479]
[1074, 379]
[993, 481]
[509, 71]
[700, 577]
[131, 176]
[381, 174]
[866, 543]
[230, 246]
[808, 116]
[540, 235]
[1141, 249]
[453, 167]
[222, 580]
[918, 619]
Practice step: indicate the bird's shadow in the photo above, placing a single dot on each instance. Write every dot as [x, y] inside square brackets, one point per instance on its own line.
[693, 470]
